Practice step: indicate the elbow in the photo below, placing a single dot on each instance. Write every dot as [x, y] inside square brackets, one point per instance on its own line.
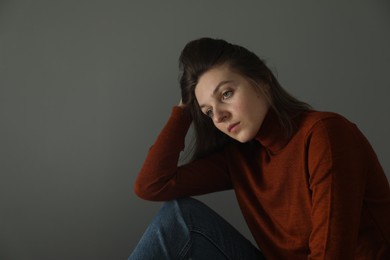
[146, 193]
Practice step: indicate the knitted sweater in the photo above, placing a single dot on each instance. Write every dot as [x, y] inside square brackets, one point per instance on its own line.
[321, 194]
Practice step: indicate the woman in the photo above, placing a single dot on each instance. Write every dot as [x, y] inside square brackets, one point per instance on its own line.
[308, 183]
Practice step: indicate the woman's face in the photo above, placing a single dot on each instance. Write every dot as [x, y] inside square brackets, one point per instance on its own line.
[236, 107]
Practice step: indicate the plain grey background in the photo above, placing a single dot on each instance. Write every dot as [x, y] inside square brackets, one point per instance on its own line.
[85, 87]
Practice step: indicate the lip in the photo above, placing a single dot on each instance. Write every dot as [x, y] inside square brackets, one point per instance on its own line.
[231, 127]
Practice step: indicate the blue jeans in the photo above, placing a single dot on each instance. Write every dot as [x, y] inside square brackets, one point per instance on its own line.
[188, 229]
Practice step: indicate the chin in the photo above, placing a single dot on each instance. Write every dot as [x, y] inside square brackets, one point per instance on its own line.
[243, 139]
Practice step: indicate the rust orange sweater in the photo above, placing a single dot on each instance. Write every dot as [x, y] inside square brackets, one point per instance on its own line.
[320, 195]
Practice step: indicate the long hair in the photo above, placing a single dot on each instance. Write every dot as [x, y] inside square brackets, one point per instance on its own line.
[203, 54]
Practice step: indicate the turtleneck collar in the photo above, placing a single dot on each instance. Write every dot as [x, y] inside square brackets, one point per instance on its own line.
[271, 134]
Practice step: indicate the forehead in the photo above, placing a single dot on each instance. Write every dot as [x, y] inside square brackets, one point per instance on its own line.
[212, 78]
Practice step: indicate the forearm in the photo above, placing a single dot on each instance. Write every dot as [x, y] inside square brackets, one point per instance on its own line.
[160, 165]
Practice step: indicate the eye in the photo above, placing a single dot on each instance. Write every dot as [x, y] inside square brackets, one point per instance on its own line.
[209, 113]
[227, 94]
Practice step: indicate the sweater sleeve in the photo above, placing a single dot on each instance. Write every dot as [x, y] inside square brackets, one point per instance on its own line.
[339, 159]
[160, 177]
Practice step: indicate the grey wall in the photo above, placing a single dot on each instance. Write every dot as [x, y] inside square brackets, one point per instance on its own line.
[85, 87]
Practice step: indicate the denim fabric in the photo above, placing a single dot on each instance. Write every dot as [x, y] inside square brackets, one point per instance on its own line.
[188, 229]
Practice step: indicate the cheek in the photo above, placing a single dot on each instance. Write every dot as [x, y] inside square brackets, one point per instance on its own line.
[243, 108]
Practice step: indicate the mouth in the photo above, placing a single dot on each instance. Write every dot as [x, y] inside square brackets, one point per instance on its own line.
[231, 127]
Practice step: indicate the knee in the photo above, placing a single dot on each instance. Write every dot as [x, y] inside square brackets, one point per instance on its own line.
[174, 206]
[179, 208]
[191, 205]
[173, 215]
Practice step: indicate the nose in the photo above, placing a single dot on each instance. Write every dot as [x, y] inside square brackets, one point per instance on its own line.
[220, 115]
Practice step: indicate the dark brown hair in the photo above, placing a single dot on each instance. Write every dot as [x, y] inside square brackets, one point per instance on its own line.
[203, 54]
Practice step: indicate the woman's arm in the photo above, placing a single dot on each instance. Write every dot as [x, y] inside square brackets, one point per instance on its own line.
[160, 177]
[339, 161]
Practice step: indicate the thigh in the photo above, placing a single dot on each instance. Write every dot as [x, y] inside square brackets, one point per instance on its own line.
[212, 237]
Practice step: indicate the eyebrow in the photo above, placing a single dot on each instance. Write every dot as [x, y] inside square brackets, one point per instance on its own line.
[216, 89]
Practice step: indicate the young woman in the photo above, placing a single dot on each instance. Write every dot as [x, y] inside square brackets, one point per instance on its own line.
[308, 183]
